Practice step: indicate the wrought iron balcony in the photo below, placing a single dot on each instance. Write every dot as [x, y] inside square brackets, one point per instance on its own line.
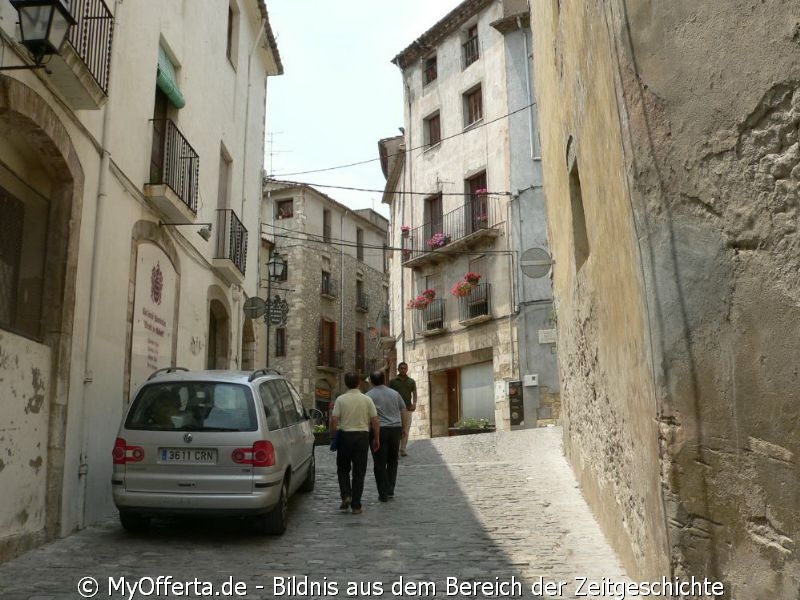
[477, 306]
[360, 364]
[330, 359]
[431, 319]
[174, 172]
[91, 37]
[458, 230]
[372, 365]
[362, 301]
[231, 250]
[80, 70]
[328, 287]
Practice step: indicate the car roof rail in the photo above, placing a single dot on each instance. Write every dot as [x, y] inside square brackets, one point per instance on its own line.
[166, 370]
[261, 372]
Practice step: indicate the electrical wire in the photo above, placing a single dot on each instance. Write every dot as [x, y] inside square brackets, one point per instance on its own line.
[423, 147]
[355, 189]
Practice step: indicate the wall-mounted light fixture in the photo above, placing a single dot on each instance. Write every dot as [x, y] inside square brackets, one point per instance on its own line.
[204, 231]
[43, 25]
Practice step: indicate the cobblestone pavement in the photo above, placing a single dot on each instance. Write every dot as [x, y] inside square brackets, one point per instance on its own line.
[476, 508]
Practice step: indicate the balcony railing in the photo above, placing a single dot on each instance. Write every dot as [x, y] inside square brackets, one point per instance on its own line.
[372, 365]
[329, 358]
[180, 165]
[477, 304]
[362, 301]
[231, 239]
[476, 215]
[431, 318]
[328, 287]
[91, 37]
[470, 51]
[361, 363]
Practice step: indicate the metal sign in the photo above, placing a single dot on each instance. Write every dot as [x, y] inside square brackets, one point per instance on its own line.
[536, 262]
[278, 312]
[254, 307]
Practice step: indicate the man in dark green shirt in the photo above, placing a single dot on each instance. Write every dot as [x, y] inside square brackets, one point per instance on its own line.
[408, 390]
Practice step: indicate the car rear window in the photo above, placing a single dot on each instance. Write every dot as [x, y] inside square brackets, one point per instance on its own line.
[193, 406]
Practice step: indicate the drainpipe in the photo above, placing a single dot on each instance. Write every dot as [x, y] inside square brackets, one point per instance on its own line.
[94, 300]
[528, 85]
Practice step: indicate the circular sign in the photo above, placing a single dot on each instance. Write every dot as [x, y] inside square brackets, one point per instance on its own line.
[254, 307]
[536, 262]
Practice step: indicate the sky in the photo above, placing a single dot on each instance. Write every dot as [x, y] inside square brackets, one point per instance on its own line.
[340, 93]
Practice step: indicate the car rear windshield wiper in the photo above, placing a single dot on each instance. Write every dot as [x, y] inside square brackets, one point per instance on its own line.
[215, 429]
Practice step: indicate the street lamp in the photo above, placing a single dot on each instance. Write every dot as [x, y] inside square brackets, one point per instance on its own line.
[44, 25]
[275, 267]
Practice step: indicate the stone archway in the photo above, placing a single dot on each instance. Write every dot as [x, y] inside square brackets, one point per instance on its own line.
[248, 352]
[39, 143]
[218, 342]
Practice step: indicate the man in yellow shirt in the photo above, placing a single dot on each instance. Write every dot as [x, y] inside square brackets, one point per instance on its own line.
[353, 415]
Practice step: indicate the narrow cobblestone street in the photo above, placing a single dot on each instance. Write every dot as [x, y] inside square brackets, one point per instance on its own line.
[472, 507]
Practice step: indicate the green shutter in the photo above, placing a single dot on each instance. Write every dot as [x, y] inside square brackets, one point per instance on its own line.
[166, 80]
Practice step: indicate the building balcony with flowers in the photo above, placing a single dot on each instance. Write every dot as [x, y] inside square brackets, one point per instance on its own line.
[465, 228]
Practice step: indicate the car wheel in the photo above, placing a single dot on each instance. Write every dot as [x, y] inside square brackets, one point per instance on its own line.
[311, 476]
[275, 521]
[133, 522]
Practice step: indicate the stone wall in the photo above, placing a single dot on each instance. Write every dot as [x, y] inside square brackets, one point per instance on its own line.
[695, 112]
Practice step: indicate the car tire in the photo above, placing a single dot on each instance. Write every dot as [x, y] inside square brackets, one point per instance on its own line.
[133, 522]
[276, 520]
[311, 476]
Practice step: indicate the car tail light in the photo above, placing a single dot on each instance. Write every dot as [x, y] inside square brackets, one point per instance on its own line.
[262, 454]
[123, 453]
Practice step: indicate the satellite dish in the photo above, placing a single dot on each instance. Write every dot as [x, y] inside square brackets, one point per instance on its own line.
[536, 262]
[254, 307]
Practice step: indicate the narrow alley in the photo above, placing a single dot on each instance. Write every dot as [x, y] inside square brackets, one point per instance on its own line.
[479, 508]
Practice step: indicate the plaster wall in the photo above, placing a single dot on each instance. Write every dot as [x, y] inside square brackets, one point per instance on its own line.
[25, 377]
[607, 388]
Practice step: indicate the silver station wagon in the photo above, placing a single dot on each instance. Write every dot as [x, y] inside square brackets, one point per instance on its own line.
[220, 443]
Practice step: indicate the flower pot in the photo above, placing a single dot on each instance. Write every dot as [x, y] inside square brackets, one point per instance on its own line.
[322, 438]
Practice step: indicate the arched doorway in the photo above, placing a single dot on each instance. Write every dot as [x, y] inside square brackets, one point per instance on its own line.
[248, 345]
[41, 191]
[218, 346]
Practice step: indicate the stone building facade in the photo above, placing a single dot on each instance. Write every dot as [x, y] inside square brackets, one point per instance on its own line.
[336, 286]
[672, 171]
[109, 168]
[464, 186]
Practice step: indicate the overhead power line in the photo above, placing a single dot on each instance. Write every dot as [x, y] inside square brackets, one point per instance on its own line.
[355, 189]
[422, 147]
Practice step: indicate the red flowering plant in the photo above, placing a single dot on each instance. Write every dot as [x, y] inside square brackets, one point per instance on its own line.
[438, 240]
[422, 301]
[461, 289]
[472, 277]
[481, 192]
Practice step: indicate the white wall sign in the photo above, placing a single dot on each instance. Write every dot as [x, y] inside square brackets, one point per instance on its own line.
[153, 313]
[547, 336]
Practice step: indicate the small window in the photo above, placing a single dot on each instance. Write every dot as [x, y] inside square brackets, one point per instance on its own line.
[285, 272]
[280, 341]
[232, 46]
[360, 244]
[579, 234]
[326, 226]
[470, 50]
[223, 193]
[430, 73]
[433, 130]
[473, 106]
[284, 209]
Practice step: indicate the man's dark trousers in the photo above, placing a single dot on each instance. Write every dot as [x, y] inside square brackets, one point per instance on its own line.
[353, 450]
[385, 461]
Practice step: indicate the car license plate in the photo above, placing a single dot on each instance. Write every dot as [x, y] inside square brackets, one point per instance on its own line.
[205, 456]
